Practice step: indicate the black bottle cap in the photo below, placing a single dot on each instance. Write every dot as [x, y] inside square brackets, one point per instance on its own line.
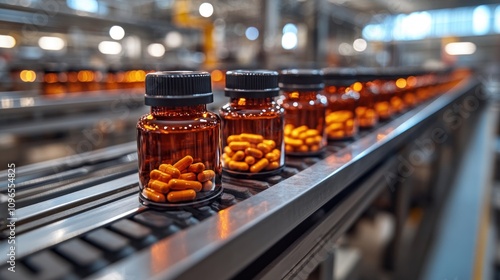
[251, 84]
[339, 76]
[301, 79]
[178, 88]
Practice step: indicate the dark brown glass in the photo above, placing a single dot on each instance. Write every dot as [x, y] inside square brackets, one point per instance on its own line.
[341, 122]
[365, 112]
[383, 106]
[168, 134]
[258, 117]
[304, 110]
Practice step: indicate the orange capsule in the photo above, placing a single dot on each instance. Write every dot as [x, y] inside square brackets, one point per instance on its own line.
[208, 186]
[261, 164]
[293, 142]
[153, 195]
[303, 148]
[190, 176]
[206, 175]
[288, 129]
[272, 165]
[196, 167]
[228, 151]
[156, 174]
[238, 166]
[184, 195]
[276, 151]
[264, 147]
[184, 163]
[179, 184]
[256, 153]
[169, 169]
[252, 138]
[288, 148]
[272, 156]
[297, 131]
[270, 143]
[233, 138]
[249, 160]
[238, 156]
[239, 145]
[158, 186]
[312, 141]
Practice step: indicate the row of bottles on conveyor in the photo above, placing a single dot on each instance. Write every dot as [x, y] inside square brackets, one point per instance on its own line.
[184, 149]
[58, 81]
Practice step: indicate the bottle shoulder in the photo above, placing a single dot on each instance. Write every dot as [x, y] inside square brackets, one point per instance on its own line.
[150, 122]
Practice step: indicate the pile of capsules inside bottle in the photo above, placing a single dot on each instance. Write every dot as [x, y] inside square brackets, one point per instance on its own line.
[184, 149]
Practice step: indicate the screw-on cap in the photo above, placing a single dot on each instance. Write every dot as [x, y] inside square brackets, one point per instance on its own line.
[339, 76]
[301, 79]
[178, 88]
[251, 84]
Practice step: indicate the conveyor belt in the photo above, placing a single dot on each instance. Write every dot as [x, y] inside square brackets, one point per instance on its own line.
[80, 217]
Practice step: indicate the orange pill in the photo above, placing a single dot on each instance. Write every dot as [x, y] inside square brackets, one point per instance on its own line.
[276, 151]
[238, 156]
[228, 151]
[249, 160]
[264, 147]
[153, 195]
[288, 129]
[261, 164]
[184, 195]
[206, 175]
[196, 167]
[179, 184]
[270, 143]
[314, 148]
[184, 163]
[293, 142]
[238, 166]
[312, 140]
[233, 138]
[288, 148]
[239, 145]
[303, 148]
[256, 153]
[297, 131]
[158, 186]
[156, 174]
[336, 134]
[208, 186]
[252, 138]
[191, 176]
[169, 169]
[272, 156]
[272, 165]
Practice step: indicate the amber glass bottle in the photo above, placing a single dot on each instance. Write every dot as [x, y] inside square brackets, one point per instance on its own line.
[54, 82]
[368, 94]
[252, 124]
[179, 141]
[341, 121]
[305, 110]
[386, 90]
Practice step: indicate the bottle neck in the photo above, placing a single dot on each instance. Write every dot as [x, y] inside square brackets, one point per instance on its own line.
[301, 95]
[251, 101]
[166, 111]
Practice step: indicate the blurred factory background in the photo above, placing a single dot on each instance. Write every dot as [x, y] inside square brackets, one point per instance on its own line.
[71, 50]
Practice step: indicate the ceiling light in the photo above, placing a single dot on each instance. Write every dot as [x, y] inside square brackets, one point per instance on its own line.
[51, 43]
[116, 32]
[359, 45]
[460, 48]
[7, 41]
[206, 10]
[156, 50]
[110, 47]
